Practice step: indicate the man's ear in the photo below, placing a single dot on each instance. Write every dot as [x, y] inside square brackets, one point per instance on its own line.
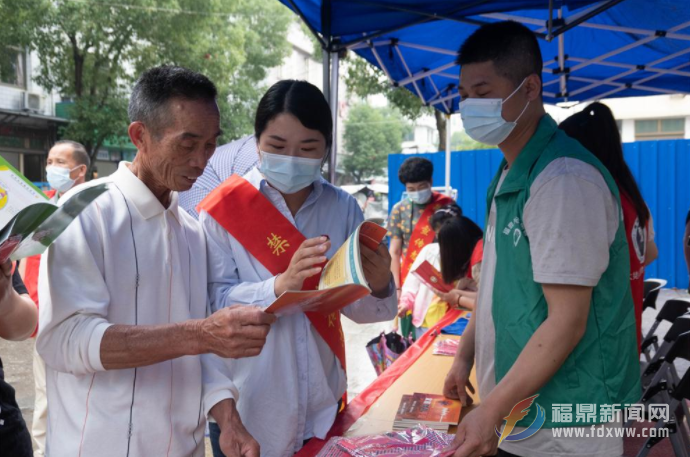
[138, 134]
[533, 87]
[82, 170]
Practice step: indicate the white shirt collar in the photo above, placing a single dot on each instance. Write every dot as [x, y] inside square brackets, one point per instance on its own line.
[138, 193]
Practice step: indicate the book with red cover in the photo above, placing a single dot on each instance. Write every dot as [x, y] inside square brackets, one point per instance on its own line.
[431, 277]
[434, 411]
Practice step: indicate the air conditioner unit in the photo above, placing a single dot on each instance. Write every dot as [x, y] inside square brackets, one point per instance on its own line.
[32, 102]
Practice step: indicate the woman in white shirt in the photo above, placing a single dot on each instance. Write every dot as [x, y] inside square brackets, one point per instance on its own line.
[291, 391]
[455, 254]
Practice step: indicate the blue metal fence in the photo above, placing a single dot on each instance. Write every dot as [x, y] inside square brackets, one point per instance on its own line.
[662, 170]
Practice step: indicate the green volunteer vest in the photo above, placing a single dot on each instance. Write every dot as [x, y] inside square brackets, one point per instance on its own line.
[604, 367]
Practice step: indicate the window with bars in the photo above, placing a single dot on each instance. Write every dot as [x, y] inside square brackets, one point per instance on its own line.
[12, 66]
[660, 129]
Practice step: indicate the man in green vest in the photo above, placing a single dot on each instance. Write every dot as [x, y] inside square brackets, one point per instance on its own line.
[554, 316]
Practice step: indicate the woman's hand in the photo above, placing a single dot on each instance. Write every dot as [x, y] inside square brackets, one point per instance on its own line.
[377, 269]
[467, 284]
[303, 265]
[452, 297]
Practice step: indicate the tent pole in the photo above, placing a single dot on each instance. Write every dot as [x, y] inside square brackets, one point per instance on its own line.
[333, 100]
[448, 136]
[326, 61]
[561, 61]
[327, 95]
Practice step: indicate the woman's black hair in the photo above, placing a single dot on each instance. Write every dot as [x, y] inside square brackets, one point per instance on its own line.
[301, 99]
[444, 214]
[457, 238]
[595, 128]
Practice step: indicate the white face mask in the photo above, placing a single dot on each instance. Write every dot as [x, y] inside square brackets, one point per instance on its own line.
[483, 118]
[58, 178]
[289, 174]
[420, 197]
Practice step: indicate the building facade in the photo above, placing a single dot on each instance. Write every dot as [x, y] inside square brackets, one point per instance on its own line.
[28, 125]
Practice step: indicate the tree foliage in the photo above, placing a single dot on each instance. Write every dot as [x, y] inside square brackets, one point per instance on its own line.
[460, 141]
[363, 80]
[92, 51]
[370, 135]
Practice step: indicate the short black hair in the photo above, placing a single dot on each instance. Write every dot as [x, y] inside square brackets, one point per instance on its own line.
[299, 98]
[416, 169]
[79, 153]
[158, 85]
[512, 47]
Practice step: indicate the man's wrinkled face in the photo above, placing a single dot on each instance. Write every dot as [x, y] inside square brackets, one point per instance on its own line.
[179, 149]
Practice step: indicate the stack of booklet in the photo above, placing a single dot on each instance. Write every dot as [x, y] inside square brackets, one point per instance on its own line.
[446, 347]
[434, 411]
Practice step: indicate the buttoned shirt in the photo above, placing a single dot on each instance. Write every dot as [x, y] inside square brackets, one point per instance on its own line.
[290, 392]
[125, 260]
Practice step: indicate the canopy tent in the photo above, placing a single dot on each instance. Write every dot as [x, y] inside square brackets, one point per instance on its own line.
[592, 49]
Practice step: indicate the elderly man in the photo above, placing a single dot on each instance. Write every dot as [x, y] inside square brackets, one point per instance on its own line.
[123, 293]
[66, 168]
[67, 165]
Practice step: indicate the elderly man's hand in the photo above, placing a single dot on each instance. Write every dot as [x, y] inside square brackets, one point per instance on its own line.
[235, 440]
[235, 332]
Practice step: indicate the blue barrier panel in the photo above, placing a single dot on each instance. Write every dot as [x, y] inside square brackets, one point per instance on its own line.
[661, 168]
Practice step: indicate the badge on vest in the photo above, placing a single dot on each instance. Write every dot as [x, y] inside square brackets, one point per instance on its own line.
[515, 228]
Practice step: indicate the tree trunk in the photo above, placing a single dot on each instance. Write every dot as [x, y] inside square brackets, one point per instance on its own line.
[441, 127]
[92, 149]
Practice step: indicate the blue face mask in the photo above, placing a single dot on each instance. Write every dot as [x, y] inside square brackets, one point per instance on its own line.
[58, 178]
[420, 197]
[289, 174]
[483, 118]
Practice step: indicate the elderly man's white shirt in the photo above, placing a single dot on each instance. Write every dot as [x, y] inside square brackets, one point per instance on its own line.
[125, 260]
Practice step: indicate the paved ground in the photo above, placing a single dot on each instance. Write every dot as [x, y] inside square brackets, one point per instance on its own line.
[17, 357]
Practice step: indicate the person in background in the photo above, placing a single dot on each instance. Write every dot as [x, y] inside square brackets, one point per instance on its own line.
[554, 314]
[408, 226]
[595, 128]
[124, 329]
[462, 248]
[18, 317]
[270, 232]
[458, 237]
[66, 167]
[234, 158]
